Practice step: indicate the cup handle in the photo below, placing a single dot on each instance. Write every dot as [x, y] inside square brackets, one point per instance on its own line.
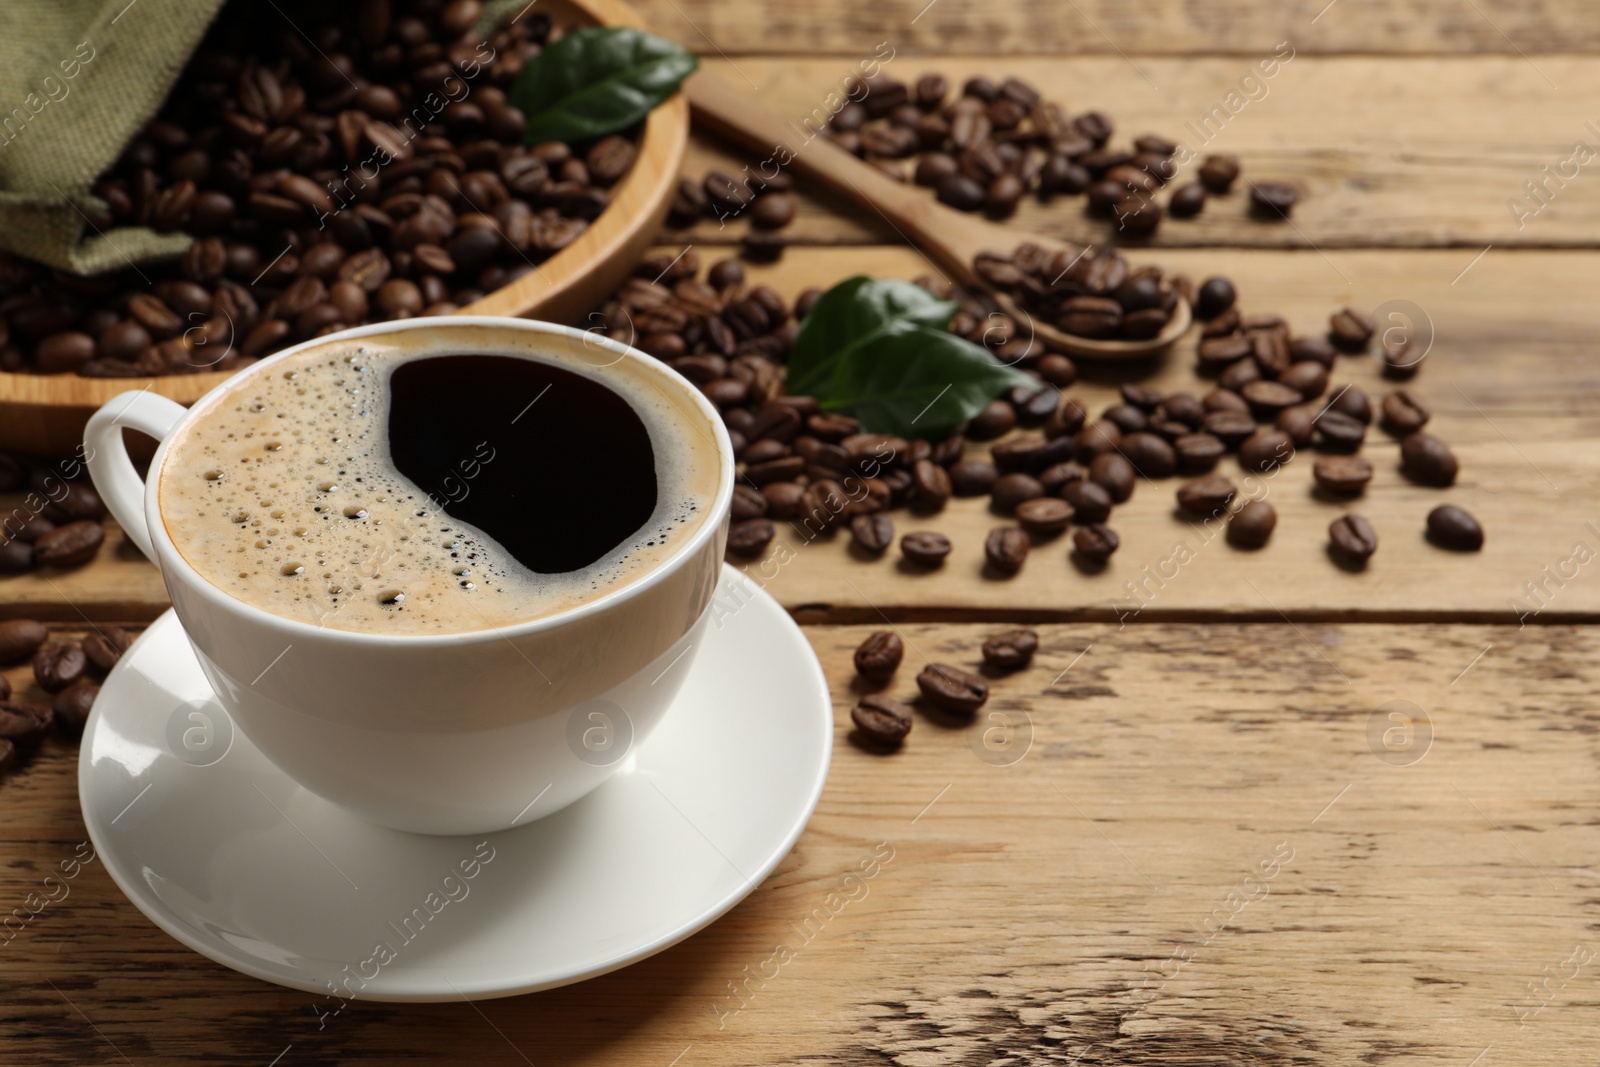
[114, 476]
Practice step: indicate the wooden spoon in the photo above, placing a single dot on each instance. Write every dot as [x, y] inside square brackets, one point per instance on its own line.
[952, 238]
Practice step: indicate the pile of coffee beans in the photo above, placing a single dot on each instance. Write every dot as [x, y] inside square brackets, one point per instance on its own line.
[1095, 295]
[1051, 465]
[57, 517]
[995, 142]
[337, 164]
[882, 721]
[67, 675]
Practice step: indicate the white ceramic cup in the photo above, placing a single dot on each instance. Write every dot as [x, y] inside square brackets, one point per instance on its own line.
[441, 734]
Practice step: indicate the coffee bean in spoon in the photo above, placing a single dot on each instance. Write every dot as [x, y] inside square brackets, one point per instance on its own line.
[879, 656]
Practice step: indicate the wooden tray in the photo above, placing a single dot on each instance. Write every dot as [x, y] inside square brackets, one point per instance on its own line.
[44, 414]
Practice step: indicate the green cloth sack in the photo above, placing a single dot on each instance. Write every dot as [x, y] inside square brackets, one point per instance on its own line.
[78, 79]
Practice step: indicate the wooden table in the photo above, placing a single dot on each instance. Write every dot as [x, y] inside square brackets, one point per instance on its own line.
[1180, 838]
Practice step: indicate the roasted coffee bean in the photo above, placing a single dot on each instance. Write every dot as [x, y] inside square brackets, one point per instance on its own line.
[1010, 650]
[1216, 296]
[1090, 502]
[1229, 427]
[1137, 214]
[1197, 452]
[925, 548]
[995, 420]
[1090, 316]
[1095, 543]
[1113, 472]
[1352, 539]
[16, 557]
[1037, 405]
[785, 500]
[1404, 412]
[71, 545]
[951, 688]
[930, 486]
[71, 707]
[1299, 423]
[773, 211]
[1128, 419]
[1218, 173]
[972, 477]
[874, 533]
[104, 647]
[1187, 201]
[1058, 370]
[1352, 400]
[1098, 437]
[1349, 330]
[1427, 460]
[882, 720]
[1342, 474]
[1308, 378]
[748, 503]
[1252, 525]
[961, 193]
[1451, 527]
[1266, 398]
[64, 352]
[20, 639]
[1265, 450]
[1045, 516]
[78, 502]
[24, 724]
[879, 656]
[750, 537]
[1149, 455]
[1338, 432]
[1207, 496]
[1012, 489]
[1006, 549]
[57, 666]
[1273, 200]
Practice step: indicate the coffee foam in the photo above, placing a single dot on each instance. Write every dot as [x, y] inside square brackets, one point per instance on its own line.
[282, 493]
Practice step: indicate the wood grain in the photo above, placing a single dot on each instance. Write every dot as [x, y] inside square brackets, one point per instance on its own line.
[1074, 904]
[1107, 27]
[1417, 151]
[1508, 384]
[1511, 379]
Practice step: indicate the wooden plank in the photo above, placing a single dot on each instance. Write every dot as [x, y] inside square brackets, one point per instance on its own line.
[1422, 151]
[1511, 378]
[118, 584]
[1199, 859]
[1514, 392]
[1105, 27]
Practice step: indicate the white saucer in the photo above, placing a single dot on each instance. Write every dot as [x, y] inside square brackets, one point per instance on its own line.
[240, 864]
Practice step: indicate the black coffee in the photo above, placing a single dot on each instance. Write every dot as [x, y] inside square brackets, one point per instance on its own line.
[564, 469]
